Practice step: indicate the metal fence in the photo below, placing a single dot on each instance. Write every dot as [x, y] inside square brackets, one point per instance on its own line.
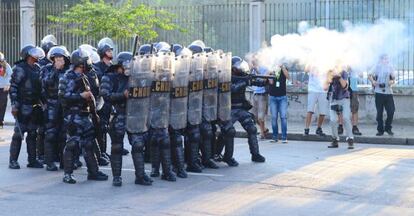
[225, 25]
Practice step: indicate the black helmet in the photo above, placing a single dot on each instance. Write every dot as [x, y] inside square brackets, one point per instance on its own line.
[81, 57]
[58, 51]
[240, 67]
[146, 49]
[30, 50]
[48, 42]
[123, 59]
[176, 48]
[163, 47]
[208, 50]
[235, 59]
[104, 45]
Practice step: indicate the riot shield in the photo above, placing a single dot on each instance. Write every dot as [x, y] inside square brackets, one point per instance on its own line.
[160, 90]
[139, 86]
[210, 87]
[224, 93]
[179, 92]
[195, 95]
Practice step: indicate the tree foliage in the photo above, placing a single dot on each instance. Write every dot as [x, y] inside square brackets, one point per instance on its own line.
[98, 19]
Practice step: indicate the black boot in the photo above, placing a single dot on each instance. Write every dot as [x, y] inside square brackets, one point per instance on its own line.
[334, 144]
[167, 173]
[258, 158]
[98, 176]
[140, 177]
[117, 181]
[102, 161]
[14, 165]
[51, 167]
[35, 164]
[69, 179]
[320, 132]
[125, 152]
[231, 162]
[77, 164]
[210, 164]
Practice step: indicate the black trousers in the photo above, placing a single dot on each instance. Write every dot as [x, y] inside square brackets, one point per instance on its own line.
[3, 104]
[384, 101]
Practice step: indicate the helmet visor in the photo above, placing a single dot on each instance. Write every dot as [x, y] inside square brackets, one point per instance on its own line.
[36, 53]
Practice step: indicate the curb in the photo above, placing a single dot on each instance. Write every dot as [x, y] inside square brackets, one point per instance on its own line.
[362, 140]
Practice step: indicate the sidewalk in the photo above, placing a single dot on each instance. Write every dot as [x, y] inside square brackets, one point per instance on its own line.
[403, 134]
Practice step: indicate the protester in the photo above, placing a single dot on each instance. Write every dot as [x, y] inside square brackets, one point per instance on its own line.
[260, 100]
[278, 101]
[382, 78]
[316, 96]
[339, 98]
[5, 73]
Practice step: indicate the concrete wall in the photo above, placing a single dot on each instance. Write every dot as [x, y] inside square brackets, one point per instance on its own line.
[403, 99]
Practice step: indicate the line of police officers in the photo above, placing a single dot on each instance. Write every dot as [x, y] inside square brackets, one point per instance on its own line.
[164, 98]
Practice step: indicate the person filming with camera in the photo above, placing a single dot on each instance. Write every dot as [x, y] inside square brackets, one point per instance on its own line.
[339, 98]
[382, 78]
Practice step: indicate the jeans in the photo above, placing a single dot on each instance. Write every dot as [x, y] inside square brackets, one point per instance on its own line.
[384, 101]
[278, 106]
[346, 116]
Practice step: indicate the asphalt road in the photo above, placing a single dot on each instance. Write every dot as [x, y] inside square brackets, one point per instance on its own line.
[299, 178]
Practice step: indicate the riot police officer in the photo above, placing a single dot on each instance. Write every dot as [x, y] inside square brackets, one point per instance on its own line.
[178, 107]
[50, 74]
[25, 96]
[76, 95]
[159, 114]
[209, 100]
[114, 89]
[241, 106]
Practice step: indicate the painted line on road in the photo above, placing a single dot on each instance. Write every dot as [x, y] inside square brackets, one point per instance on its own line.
[189, 173]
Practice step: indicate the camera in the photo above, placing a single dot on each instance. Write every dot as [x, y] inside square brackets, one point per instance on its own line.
[382, 85]
[337, 108]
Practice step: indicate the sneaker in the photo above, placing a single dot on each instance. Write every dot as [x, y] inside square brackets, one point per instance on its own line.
[340, 130]
[350, 143]
[380, 133]
[319, 132]
[69, 179]
[14, 165]
[168, 177]
[218, 157]
[99, 176]
[355, 131]
[284, 141]
[389, 132]
[274, 140]
[334, 144]
[306, 131]
[258, 158]
[181, 173]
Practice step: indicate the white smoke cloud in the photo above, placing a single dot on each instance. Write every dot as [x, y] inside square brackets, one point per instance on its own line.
[358, 46]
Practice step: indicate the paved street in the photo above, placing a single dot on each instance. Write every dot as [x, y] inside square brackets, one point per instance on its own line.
[299, 178]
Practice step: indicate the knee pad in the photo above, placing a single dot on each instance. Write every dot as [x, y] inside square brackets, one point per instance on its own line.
[137, 147]
[116, 148]
[176, 140]
[71, 145]
[251, 129]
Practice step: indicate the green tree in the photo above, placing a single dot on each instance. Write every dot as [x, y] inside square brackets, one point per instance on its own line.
[98, 19]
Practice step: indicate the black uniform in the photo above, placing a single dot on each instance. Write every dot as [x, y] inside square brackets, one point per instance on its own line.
[80, 128]
[240, 111]
[25, 96]
[113, 86]
[55, 136]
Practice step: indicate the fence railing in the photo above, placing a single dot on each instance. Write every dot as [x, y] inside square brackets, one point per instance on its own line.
[225, 26]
